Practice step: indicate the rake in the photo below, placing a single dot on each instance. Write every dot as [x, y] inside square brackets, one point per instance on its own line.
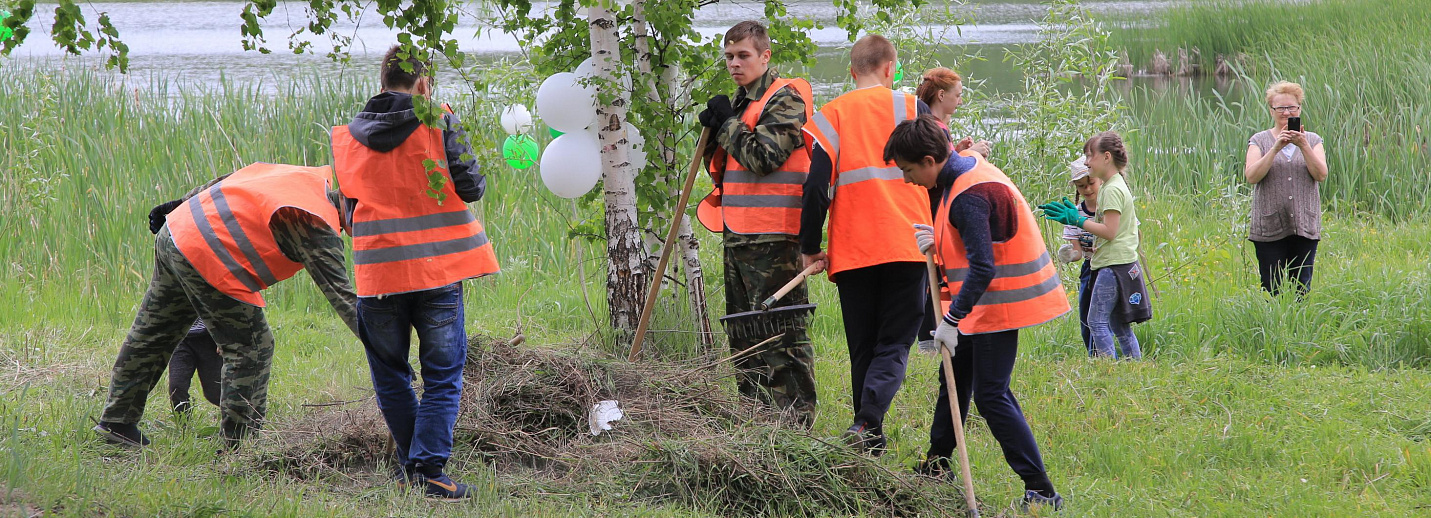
[764, 322]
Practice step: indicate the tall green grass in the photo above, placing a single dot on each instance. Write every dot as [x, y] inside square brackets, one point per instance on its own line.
[1366, 69]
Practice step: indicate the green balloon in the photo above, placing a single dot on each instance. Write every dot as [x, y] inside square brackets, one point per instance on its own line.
[554, 133]
[5, 32]
[520, 151]
[898, 72]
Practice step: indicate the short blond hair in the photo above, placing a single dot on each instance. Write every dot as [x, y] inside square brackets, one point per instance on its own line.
[1287, 88]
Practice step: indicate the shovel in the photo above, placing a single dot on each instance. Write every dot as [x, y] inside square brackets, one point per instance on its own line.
[948, 363]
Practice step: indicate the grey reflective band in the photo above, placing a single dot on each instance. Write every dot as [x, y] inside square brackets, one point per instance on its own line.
[196, 210]
[1020, 294]
[776, 201]
[221, 204]
[420, 250]
[869, 173]
[900, 112]
[778, 177]
[830, 134]
[1003, 271]
[412, 224]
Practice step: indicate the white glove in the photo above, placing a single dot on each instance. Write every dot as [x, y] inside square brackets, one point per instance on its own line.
[947, 335]
[1069, 253]
[924, 236]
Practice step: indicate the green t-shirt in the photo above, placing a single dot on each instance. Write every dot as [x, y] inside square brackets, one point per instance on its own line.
[1123, 249]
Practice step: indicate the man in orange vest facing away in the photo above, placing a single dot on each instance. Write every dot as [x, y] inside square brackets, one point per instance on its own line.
[996, 265]
[878, 271]
[758, 166]
[217, 248]
[412, 249]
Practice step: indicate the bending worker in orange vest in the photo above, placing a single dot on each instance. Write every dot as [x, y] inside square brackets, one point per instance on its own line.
[759, 165]
[997, 267]
[411, 252]
[222, 244]
[879, 273]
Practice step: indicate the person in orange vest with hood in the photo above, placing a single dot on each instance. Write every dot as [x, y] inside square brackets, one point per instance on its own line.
[879, 273]
[215, 250]
[1002, 279]
[758, 165]
[412, 248]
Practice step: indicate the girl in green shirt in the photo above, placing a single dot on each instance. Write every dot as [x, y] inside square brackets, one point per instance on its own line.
[1118, 296]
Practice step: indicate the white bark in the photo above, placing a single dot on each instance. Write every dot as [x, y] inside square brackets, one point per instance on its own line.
[690, 247]
[625, 279]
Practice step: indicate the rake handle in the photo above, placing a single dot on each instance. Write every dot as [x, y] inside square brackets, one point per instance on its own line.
[947, 361]
[678, 212]
[765, 304]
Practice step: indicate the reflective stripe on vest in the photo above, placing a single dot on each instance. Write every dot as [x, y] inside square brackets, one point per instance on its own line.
[770, 204]
[1025, 290]
[224, 230]
[403, 240]
[872, 209]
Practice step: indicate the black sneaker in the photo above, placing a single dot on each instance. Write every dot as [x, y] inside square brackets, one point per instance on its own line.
[442, 487]
[1034, 499]
[121, 434]
[937, 466]
[865, 440]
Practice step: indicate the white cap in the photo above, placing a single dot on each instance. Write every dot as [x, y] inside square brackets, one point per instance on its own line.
[1077, 170]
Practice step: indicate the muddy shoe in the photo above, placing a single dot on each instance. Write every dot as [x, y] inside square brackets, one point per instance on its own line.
[121, 434]
[1033, 499]
[442, 487]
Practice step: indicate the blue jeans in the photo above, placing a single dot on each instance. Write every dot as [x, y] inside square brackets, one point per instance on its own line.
[421, 429]
[1103, 325]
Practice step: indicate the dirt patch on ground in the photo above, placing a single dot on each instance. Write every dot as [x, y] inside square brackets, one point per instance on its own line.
[685, 439]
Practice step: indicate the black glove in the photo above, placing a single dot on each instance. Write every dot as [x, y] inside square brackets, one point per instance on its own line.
[159, 212]
[718, 110]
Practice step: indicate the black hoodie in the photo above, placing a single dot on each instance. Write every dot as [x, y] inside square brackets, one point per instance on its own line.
[388, 119]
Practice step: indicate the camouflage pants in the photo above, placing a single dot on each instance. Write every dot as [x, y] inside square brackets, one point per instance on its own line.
[176, 295]
[783, 374]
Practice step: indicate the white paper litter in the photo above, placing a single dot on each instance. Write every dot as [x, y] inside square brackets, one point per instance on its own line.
[602, 414]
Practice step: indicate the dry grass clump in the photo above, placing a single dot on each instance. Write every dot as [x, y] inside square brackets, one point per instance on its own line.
[685, 440]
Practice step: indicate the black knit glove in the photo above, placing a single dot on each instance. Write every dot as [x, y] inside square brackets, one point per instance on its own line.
[718, 110]
[159, 212]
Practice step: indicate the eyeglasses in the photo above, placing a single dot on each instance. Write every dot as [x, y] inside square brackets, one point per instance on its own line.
[1287, 109]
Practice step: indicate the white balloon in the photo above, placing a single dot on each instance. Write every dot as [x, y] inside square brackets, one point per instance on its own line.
[636, 154]
[565, 104]
[571, 164]
[516, 119]
[586, 68]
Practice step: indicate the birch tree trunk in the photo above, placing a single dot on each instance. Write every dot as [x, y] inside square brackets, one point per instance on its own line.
[625, 279]
[686, 240]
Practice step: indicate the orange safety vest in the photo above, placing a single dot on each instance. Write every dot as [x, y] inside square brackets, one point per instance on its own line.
[224, 231]
[1026, 290]
[747, 203]
[872, 209]
[403, 240]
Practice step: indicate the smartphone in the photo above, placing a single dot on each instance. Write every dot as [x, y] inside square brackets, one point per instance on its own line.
[1294, 123]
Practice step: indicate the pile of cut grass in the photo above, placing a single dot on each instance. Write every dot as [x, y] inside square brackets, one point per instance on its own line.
[685, 439]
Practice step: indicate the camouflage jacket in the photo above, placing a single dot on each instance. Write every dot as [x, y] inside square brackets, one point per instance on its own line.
[762, 150]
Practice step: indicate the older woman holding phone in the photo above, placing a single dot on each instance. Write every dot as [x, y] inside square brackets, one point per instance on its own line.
[1286, 165]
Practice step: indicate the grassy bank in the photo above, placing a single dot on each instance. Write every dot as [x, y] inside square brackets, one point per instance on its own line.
[1363, 63]
[1248, 405]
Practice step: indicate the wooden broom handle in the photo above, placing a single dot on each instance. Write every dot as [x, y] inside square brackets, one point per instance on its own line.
[764, 305]
[947, 361]
[677, 214]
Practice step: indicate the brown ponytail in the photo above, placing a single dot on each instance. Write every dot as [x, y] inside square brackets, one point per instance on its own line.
[935, 80]
[1108, 141]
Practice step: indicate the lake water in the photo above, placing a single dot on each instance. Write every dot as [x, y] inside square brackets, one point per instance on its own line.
[199, 42]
